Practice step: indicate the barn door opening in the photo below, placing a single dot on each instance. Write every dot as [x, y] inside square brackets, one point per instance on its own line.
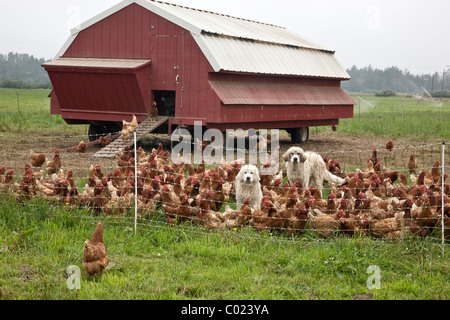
[165, 101]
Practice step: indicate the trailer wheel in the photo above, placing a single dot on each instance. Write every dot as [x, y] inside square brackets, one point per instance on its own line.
[95, 131]
[299, 135]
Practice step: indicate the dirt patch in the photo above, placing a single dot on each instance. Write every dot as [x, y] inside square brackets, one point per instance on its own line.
[351, 152]
[365, 296]
[27, 274]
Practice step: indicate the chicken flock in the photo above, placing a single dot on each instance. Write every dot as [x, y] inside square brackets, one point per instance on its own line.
[376, 201]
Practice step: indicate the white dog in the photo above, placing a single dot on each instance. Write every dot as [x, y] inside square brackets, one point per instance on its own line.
[247, 184]
[308, 167]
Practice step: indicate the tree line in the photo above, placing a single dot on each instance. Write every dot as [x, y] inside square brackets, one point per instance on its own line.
[21, 70]
[369, 79]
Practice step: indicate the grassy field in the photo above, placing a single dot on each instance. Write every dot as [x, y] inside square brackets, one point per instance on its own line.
[39, 241]
[27, 112]
[398, 117]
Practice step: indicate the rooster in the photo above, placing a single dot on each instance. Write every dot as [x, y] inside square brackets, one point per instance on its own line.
[94, 253]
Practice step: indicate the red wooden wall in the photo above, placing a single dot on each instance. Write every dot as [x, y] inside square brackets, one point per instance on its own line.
[136, 33]
[178, 64]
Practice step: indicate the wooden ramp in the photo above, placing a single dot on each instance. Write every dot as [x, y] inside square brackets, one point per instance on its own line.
[145, 127]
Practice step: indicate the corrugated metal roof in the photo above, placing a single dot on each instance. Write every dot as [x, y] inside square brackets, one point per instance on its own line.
[275, 93]
[240, 45]
[238, 55]
[220, 24]
[131, 64]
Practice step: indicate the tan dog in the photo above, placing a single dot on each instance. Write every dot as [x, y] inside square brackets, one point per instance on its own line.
[308, 168]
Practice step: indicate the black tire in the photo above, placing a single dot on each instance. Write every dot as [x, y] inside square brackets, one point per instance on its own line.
[299, 135]
[94, 132]
[102, 130]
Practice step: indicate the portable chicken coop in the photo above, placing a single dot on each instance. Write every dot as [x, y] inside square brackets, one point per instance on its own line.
[222, 71]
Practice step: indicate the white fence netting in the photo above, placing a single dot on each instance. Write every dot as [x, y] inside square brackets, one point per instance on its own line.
[384, 197]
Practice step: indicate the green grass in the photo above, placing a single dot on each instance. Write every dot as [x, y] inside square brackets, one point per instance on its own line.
[39, 241]
[163, 262]
[398, 117]
[27, 111]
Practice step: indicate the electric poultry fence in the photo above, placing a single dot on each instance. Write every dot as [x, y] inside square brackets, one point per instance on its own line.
[388, 194]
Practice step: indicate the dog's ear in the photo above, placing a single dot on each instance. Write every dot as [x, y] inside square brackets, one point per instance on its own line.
[241, 175]
[286, 156]
[257, 175]
[238, 176]
[303, 157]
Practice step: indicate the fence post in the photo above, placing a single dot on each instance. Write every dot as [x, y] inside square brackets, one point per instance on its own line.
[442, 199]
[135, 184]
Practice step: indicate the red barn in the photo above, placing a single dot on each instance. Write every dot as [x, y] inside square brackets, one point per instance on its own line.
[223, 71]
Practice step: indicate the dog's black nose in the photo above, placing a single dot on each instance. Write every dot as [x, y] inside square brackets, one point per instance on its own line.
[248, 178]
[295, 160]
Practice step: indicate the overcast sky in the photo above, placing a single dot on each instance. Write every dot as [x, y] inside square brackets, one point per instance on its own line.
[409, 34]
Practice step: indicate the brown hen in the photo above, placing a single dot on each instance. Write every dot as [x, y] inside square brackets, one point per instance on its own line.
[37, 160]
[94, 253]
[54, 165]
[153, 111]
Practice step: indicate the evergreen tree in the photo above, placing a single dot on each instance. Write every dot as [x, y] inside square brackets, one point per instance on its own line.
[22, 70]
